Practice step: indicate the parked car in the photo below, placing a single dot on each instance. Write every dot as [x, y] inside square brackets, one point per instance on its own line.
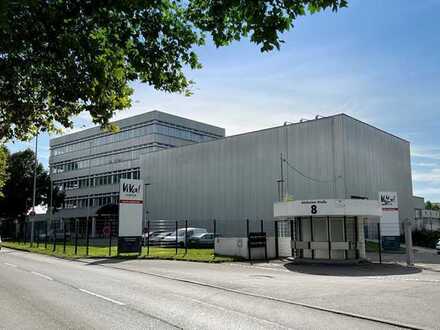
[191, 232]
[159, 237]
[0, 242]
[58, 236]
[438, 246]
[203, 240]
[155, 236]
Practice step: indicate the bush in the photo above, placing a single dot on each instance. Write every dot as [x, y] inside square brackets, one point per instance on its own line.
[426, 238]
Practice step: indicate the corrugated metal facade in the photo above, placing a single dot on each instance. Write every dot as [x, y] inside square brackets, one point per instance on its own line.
[236, 177]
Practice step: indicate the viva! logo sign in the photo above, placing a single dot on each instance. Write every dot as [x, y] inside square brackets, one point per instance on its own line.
[130, 192]
[130, 188]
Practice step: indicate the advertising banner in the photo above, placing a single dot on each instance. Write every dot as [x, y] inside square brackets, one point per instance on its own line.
[131, 197]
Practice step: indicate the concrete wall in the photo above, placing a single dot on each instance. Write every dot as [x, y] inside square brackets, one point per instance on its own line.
[237, 246]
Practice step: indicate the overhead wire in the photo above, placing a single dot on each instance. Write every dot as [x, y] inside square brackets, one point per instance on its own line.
[306, 176]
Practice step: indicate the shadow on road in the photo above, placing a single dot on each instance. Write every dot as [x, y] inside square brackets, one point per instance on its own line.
[353, 270]
[109, 261]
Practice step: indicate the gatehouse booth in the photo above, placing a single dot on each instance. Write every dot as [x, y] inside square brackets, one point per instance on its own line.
[324, 229]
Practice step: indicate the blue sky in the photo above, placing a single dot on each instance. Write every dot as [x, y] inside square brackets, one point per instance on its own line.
[377, 60]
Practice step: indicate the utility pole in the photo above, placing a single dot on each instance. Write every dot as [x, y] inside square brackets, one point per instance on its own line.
[88, 198]
[145, 205]
[34, 190]
[281, 177]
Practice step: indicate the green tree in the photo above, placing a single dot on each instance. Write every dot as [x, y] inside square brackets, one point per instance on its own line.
[59, 58]
[18, 190]
[428, 205]
[4, 155]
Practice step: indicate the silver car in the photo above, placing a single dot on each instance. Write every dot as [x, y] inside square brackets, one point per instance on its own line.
[438, 246]
[191, 231]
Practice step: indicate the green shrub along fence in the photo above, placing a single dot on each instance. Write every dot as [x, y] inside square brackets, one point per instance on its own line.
[426, 238]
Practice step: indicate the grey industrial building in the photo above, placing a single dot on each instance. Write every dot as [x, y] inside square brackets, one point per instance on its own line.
[237, 177]
[88, 165]
[196, 173]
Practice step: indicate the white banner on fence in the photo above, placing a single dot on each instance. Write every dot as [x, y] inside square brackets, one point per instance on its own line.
[131, 198]
[389, 222]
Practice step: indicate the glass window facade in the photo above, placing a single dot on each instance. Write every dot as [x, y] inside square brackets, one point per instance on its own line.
[101, 179]
[115, 157]
[95, 200]
[168, 129]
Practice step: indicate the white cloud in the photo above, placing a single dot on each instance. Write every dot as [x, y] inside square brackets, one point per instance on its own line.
[426, 152]
[425, 164]
[431, 176]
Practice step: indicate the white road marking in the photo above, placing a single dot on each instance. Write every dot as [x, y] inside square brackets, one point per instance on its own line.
[103, 297]
[10, 265]
[43, 276]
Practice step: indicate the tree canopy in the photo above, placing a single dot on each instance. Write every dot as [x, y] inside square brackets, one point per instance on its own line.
[61, 57]
[17, 199]
[4, 155]
[17, 193]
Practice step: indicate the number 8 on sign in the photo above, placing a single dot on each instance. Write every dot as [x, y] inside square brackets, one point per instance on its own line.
[313, 209]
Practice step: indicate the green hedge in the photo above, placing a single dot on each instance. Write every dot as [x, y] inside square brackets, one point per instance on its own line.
[426, 238]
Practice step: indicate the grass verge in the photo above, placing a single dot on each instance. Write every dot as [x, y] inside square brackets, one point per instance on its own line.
[198, 255]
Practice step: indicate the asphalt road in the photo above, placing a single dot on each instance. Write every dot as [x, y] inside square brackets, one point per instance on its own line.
[42, 292]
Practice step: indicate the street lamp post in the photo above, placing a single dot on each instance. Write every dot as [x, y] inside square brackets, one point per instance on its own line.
[34, 189]
[145, 204]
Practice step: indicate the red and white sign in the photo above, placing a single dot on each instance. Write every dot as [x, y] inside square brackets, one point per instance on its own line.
[389, 222]
[131, 198]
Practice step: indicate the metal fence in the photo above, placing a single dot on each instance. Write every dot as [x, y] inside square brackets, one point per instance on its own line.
[98, 237]
[429, 224]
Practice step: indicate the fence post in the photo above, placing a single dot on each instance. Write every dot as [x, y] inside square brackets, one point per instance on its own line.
[329, 239]
[247, 235]
[54, 237]
[277, 253]
[31, 238]
[110, 239]
[24, 232]
[291, 238]
[380, 242]
[38, 236]
[215, 232]
[148, 237]
[177, 242]
[76, 236]
[186, 237]
[65, 238]
[265, 246]
[45, 234]
[87, 236]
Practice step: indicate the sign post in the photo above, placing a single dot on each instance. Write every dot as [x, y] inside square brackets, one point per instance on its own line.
[131, 195]
[389, 222]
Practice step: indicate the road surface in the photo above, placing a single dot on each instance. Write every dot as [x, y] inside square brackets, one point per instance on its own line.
[41, 292]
